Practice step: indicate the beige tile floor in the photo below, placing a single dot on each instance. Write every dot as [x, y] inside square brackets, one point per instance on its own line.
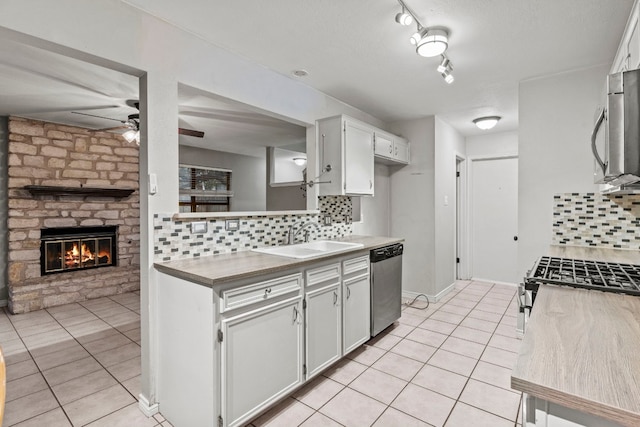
[449, 365]
[75, 365]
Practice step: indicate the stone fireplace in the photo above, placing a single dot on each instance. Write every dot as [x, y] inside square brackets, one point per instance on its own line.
[74, 221]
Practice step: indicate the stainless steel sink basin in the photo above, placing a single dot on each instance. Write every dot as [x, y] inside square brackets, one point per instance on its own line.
[310, 249]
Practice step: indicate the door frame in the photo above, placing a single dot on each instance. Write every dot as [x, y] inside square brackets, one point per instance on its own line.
[461, 236]
[469, 223]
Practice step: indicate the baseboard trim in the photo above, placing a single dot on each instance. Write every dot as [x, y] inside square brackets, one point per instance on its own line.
[146, 408]
[495, 282]
[432, 298]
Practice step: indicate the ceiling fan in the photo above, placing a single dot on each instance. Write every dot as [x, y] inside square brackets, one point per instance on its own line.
[132, 124]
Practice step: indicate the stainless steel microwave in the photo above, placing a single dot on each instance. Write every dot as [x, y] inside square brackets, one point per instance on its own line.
[617, 155]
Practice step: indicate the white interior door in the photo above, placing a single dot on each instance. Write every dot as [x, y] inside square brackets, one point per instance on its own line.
[494, 219]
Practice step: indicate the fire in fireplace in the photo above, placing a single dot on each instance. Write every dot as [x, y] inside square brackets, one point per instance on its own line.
[76, 248]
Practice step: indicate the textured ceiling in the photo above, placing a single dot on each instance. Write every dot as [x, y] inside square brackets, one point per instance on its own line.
[354, 50]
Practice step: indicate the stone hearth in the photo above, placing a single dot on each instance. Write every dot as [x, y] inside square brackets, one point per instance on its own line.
[48, 154]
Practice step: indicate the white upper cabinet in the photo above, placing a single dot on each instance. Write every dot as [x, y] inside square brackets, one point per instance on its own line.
[346, 147]
[390, 149]
[628, 55]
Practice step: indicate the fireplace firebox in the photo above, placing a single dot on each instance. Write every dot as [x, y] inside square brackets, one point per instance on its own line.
[77, 248]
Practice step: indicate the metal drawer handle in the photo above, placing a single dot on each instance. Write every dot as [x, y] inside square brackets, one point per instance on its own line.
[348, 292]
[296, 313]
[335, 298]
[267, 292]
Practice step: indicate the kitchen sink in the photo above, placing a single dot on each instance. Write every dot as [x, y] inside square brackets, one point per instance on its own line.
[310, 249]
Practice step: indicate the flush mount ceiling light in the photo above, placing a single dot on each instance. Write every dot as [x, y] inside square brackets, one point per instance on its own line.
[404, 18]
[434, 43]
[486, 123]
[299, 161]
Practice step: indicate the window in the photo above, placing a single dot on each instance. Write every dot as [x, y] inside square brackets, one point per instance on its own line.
[204, 189]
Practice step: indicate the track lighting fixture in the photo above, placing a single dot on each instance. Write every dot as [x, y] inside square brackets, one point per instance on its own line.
[486, 123]
[404, 18]
[429, 42]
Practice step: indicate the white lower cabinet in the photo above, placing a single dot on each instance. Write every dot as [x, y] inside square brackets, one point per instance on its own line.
[323, 318]
[227, 353]
[356, 306]
[324, 328]
[261, 358]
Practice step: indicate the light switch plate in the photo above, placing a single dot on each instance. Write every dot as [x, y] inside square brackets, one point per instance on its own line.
[232, 225]
[199, 227]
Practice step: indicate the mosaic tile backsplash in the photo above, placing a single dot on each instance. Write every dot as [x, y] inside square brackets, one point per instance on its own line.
[592, 219]
[173, 239]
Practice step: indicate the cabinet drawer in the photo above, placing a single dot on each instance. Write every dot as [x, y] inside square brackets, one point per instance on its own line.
[323, 274]
[246, 295]
[356, 265]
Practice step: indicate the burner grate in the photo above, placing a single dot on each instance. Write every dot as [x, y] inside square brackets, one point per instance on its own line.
[605, 276]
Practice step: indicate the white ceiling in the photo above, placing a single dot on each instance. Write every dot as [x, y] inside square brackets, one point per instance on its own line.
[356, 52]
[353, 50]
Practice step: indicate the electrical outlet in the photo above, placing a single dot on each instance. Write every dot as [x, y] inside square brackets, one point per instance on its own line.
[232, 225]
[327, 220]
[199, 227]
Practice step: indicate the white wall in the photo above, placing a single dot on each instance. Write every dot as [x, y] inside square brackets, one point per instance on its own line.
[376, 210]
[448, 144]
[248, 177]
[412, 207]
[556, 116]
[498, 144]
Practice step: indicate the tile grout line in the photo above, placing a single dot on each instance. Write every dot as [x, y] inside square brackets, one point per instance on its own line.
[50, 387]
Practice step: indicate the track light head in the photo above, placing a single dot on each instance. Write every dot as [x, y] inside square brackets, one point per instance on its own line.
[404, 18]
[447, 76]
[445, 65]
[418, 35]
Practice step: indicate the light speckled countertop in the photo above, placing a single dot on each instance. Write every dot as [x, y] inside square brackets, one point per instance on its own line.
[218, 269]
[624, 256]
[580, 350]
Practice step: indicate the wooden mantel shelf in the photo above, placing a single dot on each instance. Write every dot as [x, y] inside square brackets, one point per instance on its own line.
[52, 190]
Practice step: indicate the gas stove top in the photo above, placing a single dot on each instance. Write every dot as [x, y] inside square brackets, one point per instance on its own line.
[602, 276]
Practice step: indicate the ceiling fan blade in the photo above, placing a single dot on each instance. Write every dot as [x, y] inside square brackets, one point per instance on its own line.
[190, 132]
[113, 128]
[100, 117]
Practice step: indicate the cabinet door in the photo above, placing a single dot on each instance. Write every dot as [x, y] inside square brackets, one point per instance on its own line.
[324, 328]
[357, 309]
[358, 159]
[401, 150]
[633, 47]
[261, 358]
[383, 145]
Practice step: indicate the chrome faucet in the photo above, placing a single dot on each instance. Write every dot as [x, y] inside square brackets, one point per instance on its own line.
[291, 236]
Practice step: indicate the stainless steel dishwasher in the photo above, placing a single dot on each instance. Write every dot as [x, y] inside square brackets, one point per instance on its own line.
[386, 286]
